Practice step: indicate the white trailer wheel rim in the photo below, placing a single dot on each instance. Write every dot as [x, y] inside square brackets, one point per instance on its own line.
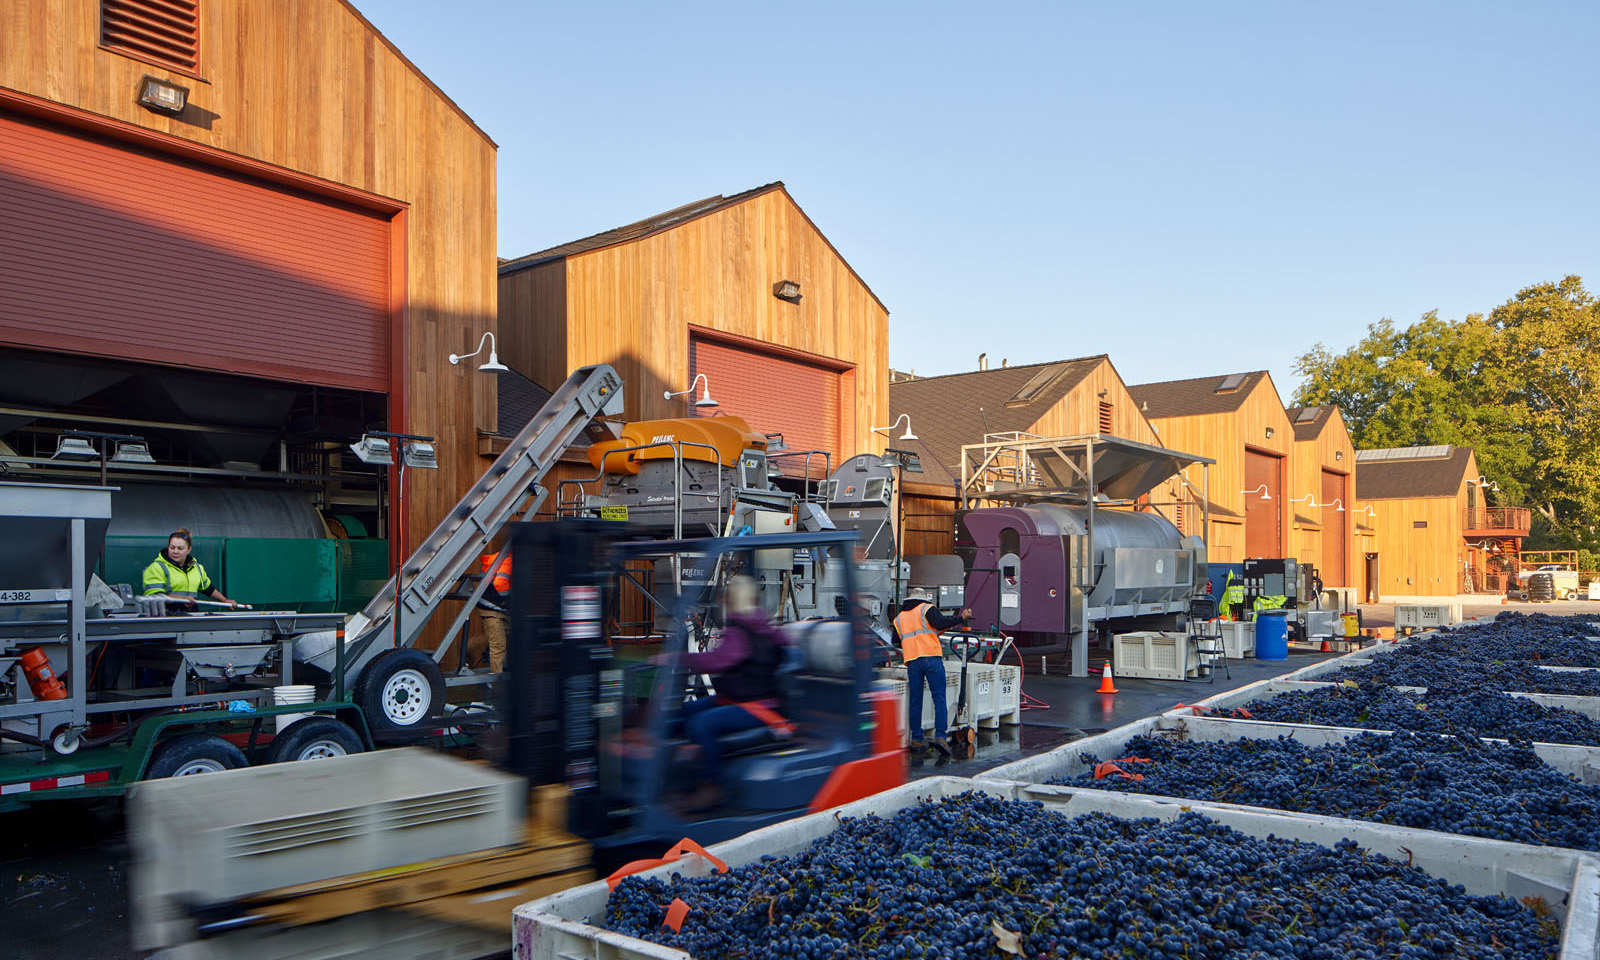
[202, 765]
[321, 750]
[406, 697]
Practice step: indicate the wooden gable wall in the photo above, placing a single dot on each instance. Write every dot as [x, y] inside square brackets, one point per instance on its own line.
[633, 305]
[1420, 561]
[1313, 530]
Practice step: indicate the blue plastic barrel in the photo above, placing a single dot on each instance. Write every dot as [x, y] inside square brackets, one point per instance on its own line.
[1272, 634]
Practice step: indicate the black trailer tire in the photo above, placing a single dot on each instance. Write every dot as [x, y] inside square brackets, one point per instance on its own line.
[313, 738]
[193, 753]
[402, 694]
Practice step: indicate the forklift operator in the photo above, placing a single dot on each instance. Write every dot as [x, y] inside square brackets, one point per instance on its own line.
[176, 573]
[744, 667]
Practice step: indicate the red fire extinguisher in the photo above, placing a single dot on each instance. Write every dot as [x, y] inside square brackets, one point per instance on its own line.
[41, 679]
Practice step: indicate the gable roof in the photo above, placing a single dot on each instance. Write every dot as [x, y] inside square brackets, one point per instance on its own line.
[518, 400]
[635, 230]
[1408, 472]
[350, 7]
[960, 408]
[650, 226]
[1196, 397]
[1309, 421]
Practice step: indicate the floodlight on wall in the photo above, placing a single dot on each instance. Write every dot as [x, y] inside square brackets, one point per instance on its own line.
[908, 435]
[132, 451]
[75, 448]
[419, 453]
[1270, 432]
[373, 450]
[1263, 488]
[705, 392]
[162, 96]
[786, 290]
[1338, 454]
[908, 461]
[493, 364]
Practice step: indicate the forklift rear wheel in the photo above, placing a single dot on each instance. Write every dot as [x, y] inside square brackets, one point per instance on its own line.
[313, 738]
[193, 753]
[402, 693]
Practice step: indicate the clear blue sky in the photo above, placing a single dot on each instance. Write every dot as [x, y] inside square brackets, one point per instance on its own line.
[1192, 188]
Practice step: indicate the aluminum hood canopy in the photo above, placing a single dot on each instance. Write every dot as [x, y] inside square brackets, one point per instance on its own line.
[1061, 468]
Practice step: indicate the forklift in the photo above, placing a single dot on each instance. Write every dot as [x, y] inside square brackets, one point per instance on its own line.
[588, 739]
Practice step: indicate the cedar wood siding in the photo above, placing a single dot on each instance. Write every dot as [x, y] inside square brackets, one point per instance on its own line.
[1421, 562]
[633, 305]
[1224, 438]
[637, 303]
[347, 109]
[1313, 529]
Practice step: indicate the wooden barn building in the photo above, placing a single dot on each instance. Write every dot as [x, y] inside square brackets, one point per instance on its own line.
[241, 232]
[741, 297]
[1238, 421]
[1433, 535]
[1323, 506]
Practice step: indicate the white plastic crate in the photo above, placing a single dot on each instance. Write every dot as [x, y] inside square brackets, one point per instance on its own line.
[220, 836]
[1238, 639]
[1010, 700]
[565, 926]
[1424, 615]
[1153, 655]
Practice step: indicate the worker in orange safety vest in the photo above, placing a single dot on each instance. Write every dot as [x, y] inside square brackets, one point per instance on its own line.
[918, 624]
[493, 609]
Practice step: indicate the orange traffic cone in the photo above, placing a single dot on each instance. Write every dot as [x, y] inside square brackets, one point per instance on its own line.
[1326, 646]
[1106, 685]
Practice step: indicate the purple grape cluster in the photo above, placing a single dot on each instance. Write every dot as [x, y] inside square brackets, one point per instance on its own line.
[1375, 706]
[1459, 785]
[977, 876]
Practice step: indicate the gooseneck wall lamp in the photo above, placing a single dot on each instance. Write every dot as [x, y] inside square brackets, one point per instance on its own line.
[1263, 488]
[705, 392]
[908, 435]
[493, 364]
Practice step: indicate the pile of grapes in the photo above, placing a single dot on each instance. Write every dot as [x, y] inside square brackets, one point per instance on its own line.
[1505, 654]
[1467, 786]
[975, 876]
[1463, 674]
[1377, 707]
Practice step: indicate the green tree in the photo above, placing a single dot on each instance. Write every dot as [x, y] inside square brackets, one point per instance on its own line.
[1521, 386]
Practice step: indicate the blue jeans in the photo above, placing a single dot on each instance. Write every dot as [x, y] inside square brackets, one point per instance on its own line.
[704, 720]
[928, 670]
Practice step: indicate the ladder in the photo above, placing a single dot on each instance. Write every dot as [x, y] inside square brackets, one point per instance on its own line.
[509, 487]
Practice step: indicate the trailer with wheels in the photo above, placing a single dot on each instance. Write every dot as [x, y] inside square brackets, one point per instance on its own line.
[96, 694]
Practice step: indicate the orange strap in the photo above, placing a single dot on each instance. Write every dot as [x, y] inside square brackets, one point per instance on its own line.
[769, 716]
[1109, 767]
[676, 911]
[683, 846]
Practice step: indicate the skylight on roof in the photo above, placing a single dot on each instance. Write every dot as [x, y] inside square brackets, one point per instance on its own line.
[1307, 415]
[1434, 452]
[1230, 382]
[1035, 384]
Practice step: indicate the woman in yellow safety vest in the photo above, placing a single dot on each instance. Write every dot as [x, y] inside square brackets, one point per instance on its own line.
[176, 573]
[918, 624]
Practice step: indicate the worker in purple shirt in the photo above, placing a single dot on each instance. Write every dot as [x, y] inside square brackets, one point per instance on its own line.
[744, 671]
